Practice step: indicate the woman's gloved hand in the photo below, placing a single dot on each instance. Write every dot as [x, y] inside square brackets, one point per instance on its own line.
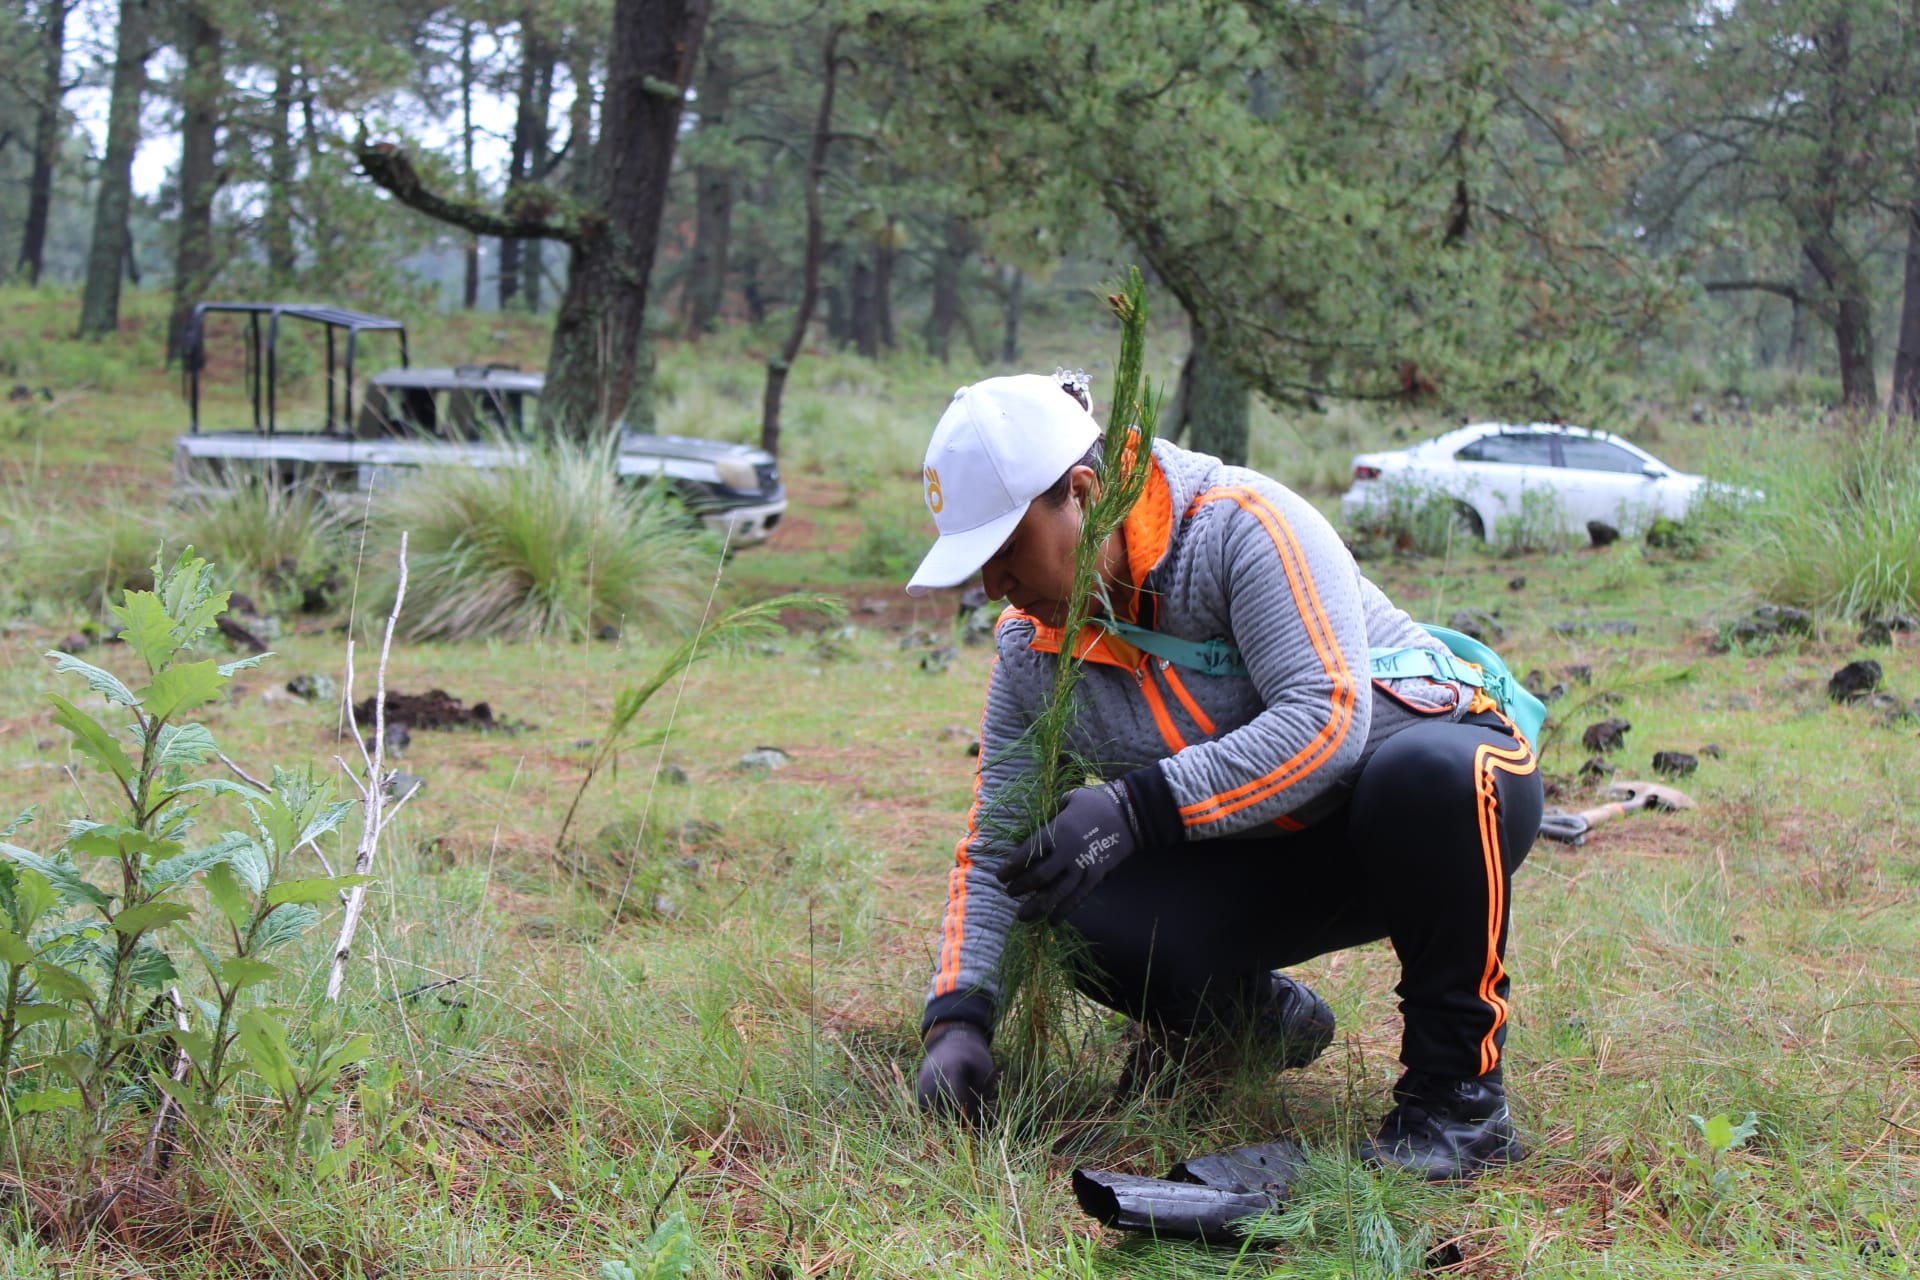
[1059, 865]
[956, 1072]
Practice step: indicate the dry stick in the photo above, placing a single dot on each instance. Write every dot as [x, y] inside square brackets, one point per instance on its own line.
[182, 1063]
[374, 793]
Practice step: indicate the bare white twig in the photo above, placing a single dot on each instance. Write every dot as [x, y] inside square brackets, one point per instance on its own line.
[181, 1064]
[374, 793]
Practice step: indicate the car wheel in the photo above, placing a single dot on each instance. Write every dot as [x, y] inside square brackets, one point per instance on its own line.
[1467, 522]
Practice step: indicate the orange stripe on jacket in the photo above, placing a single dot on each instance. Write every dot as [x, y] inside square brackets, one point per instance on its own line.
[1200, 718]
[1161, 716]
[1306, 599]
[1487, 760]
[946, 977]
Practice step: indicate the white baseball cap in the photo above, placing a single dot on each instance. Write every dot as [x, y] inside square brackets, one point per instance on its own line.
[1000, 444]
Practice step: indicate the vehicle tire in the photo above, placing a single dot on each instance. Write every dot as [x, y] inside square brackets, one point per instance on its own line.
[1468, 522]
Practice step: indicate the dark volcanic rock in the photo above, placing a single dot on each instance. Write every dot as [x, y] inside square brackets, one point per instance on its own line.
[1477, 623]
[1596, 768]
[1674, 764]
[1601, 533]
[1854, 681]
[1608, 735]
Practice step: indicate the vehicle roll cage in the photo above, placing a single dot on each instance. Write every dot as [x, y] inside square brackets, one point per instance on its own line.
[261, 376]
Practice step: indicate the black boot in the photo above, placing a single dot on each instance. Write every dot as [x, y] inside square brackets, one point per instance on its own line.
[1445, 1129]
[1295, 1020]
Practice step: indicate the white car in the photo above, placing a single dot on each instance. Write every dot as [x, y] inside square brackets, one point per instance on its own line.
[1492, 471]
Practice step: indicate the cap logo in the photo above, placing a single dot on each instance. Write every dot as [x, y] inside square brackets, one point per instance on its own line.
[935, 499]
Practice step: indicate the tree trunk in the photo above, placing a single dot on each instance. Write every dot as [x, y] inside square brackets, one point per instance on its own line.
[866, 315]
[539, 168]
[520, 152]
[1215, 405]
[885, 254]
[1905, 400]
[947, 261]
[107, 254]
[1851, 314]
[202, 89]
[596, 373]
[780, 365]
[713, 200]
[46, 141]
[1010, 316]
[470, 291]
[282, 171]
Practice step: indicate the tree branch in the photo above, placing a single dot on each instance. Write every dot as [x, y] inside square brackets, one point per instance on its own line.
[524, 219]
[1787, 291]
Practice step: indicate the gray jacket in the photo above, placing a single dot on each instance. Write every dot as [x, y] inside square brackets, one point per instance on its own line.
[1220, 552]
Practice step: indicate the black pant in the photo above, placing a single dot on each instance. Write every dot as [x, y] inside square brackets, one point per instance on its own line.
[1422, 855]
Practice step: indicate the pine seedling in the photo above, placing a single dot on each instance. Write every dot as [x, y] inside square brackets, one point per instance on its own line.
[1037, 966]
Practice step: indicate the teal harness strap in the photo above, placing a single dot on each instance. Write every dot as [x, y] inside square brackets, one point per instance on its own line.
[1465, 662]
[1214, 657]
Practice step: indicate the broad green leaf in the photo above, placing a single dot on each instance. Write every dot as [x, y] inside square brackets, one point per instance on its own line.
[98, 679]
[46, 1100]
[1719, 1132]
[228, 668]
[152, 968]
[25, 816]
[184, 745]
[334, 1160]
[179, 870]
[182, 1093]
[265, 1042]
[106, 841]
[317, 890]
[14, 949]
[197, 1044]
[91, 738]
[357, 1049]
[224, 888]
[63, 876]
[285, 925]
[62, 982]
[182, 688]
[149, 631]
[33, 895]
[244, 971]
[28, 1015]
[221, 786]
[329, 817]
[148, 916]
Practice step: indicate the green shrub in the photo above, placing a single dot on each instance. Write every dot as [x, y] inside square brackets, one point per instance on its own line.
[556, 548]
[1838, 530]
[1419, 520]
[1539, 525]
[283, 542]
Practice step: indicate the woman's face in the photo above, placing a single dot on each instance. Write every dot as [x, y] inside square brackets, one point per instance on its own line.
[1033, 570]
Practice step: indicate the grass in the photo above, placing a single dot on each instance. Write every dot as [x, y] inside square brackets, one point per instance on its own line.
[734, 1045]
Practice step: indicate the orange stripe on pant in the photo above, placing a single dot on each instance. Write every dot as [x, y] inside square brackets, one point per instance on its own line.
[1488, 760]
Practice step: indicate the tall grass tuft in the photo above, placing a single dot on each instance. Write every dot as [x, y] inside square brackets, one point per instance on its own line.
[1838, 531]
[557, 549]
[282, 540]
[68, 557]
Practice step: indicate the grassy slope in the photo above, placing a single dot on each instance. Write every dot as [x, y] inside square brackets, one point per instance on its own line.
[734, 1045]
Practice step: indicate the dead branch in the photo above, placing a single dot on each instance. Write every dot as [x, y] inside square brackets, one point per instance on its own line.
[524, 217]
[374, 792]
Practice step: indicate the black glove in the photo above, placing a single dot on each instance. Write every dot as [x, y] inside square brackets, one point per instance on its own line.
[956, 1070]
[1058, 866]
